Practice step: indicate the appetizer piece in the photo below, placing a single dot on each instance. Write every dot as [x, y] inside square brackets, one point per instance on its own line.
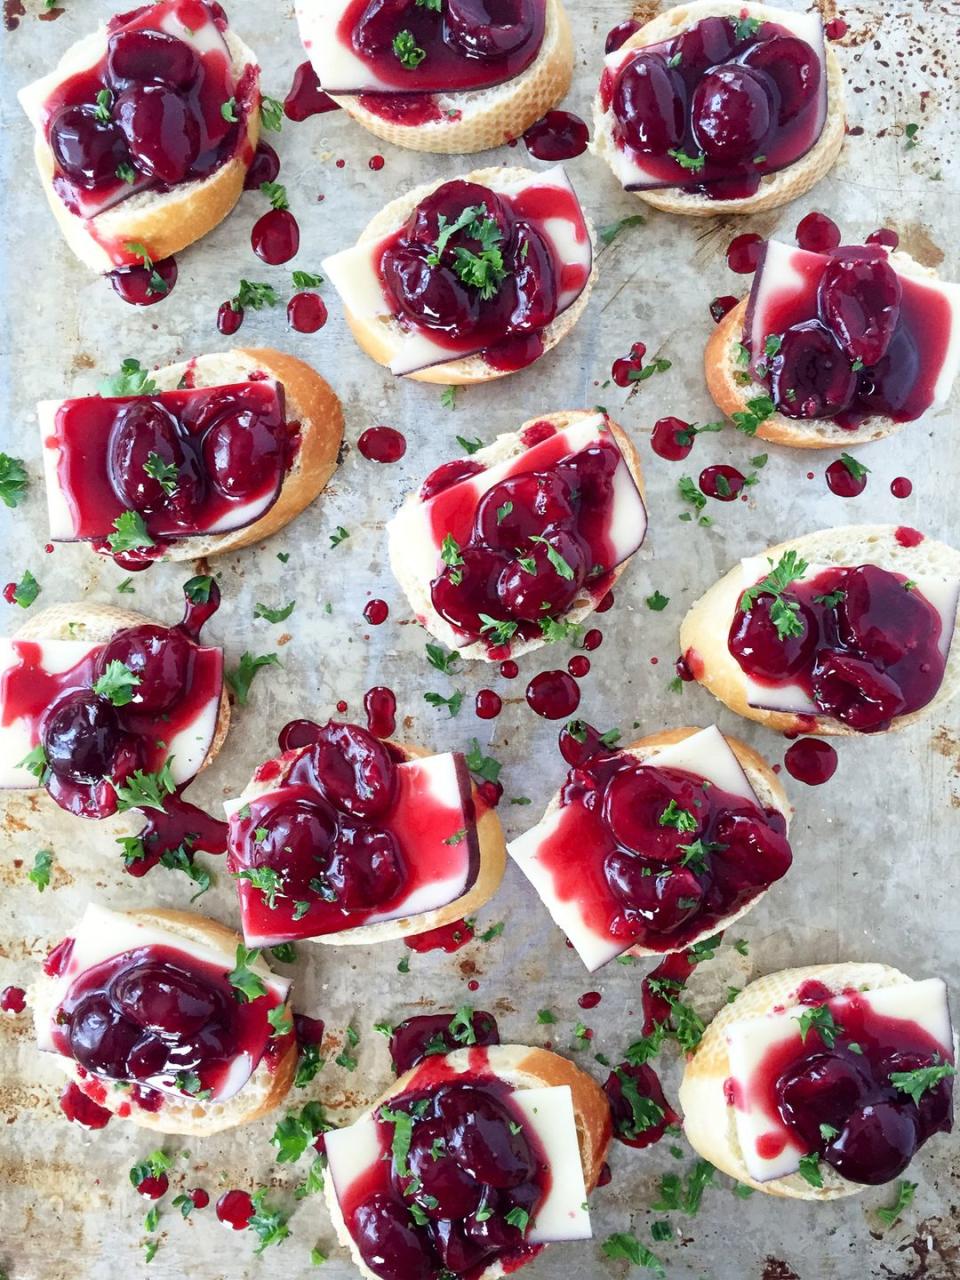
[651, 847]
[721, 108]
[845, 347]
[448, 76]
[145, 132]
[468, 1165]
[844, 631]
[96, 703]
[463, 281]
[160, 1017]
[817, 1081]
[347, 839]
[194, 459]
[517, 544]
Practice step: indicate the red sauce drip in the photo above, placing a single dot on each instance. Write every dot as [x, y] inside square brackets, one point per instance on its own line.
[376, 163]
[308, 1030]
[632, 1130]
[589, 999]
[593, 639]
[509, 669]
[10, 593]
[235, 1209]
[721, 482]
[199, 1197]
[811, 760]
[449, 938]
[306, 312]
[901, 487]
[13, 1000]
[59, 958]
[153, 1188]
[672, 439]
[376, 612]
[382, 444]
[744, 253]
[553, 695]
[306, 98]
[380, 704]
[408, 109]
[624, 370]
[579, 666]
[264, 168]
[488, 704]
[817, 233]
[229, 318]
[275, 237]
[81, 1110]
[606, 603]
[835, 29]
[140, 287]
[842, 481]
[673, 970]
[429, 1034]
[559, 135]
[721, 306]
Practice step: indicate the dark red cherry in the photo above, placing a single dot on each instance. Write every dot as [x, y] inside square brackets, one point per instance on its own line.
[162, 132]
[753, 852]
[706, 44]
[145, 57]
[447, 203]
[860, 300]
[486, 29]
[889, 386]
[879, 617]
[378, 24]
[242, 455]
[530, 289]
[460, 1254]
[88, 150]
[447, 474]
[163, 998]
[653, 813]
[793, 67]
[81, 736]
[821, 1089]
[101, 1038]
[143, 436]
[428, 295]
[354, 769]
[147, 1058]
[462, 592]
[441, 1178]
[534, 584]
[732, 113]
[480, 1139]
[494, 1234]
[517, 509]
[811, 376]
[877, 1143]
[756, 644]
[366, 869]
[296, 839]
[661, 901]
[935, 1108]
[855, 692]
[159, 656]
[649, 102]
[388, 1241]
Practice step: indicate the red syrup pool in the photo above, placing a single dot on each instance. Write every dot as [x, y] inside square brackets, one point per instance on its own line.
[811, 760]
[306, 98]
[380, 704]
[488, 704]
[559, 135]
[81, 1110]
[142, 286]
[382, 444]
[435, 1033]
[846, 480]
[448, 938]
[817, 233]
[235, 1209]
[744, 253]
[275, 237]
[640, 1112]
[553, 695]
[722, 482]
[306, 312]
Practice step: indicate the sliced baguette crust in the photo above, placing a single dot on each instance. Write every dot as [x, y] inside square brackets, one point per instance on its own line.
[262, 1093]
[487, 117]
[706, 626]
[508, 445]
[493, 861]
[98, 623]
[708, 1120]
[310, 400]
[760, 776]
[163, 223]
[378, 339]
[775, 188]
[522, 1068]
[721, 367]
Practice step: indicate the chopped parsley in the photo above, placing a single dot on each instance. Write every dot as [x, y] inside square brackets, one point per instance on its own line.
[453, 703]
[274, 615]
[129, 533]
[482, 766]
[916, 1083]
[608, 233]
[271, 114]
[117, 684]
[248, 985]
[784, 614]
[407, 50]
[241, 677]
[905, 1194]
[13, 480]
[146, 790]
[39, 873]
[26, 590]
[822, 1021]
[132, 380]
[657, 602]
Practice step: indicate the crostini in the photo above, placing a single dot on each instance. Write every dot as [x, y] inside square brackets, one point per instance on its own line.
[345, 838]
[463, 281]
[194, 459]
[835, 349]
[652, 847]
[518, 543]
[105, 708]
[468, 1165]
[718, 107]
[145, 132]
[449, 76]
[818, 1081]
[163, 1018]
[849, 630]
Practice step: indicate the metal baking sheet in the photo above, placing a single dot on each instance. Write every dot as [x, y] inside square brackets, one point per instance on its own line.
[875, 876]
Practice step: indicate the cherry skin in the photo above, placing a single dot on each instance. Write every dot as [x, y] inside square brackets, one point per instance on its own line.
[389, 1242]
[101, 1038]
[529, 292]
[532, 581]
[165, 999]
[81, 736]
[354, 769]
[876, 1144]
[427, 294]
[822, 1089]
[241, 453]
[757, 645]
[162, 133]
[517, 509]
[160, 657]
[661, 902]
[480, 1139]
[88, 150]
[637, 798]
[462, 592]
[142, 429]
[811, 376]
[855, 692]
[794, 69]
[732, 113]
[860, 300]
[151, 57]
[880, 618]
[448, 202]
[366, 869]
[442, 1179]
[649, 102]
[299, 839]
[754, 853]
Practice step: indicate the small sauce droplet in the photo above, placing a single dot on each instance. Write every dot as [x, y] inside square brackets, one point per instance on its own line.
[380, 705]
[306, 312]
[509, 669]
[559, 135]
[885, 236]
[235, 1209]
[744, 252]
[13, 1000]
[842, 481]
[229, 318]
[901, 487]
[811, 760]
[376, 612]
[624, 370]
[488, 704]
[382, 444]
[817, 233]
[722, 306]
[835, 29]
[579, 666]
[140, 286]
[606, 603]
[449, 938]
[553, 695]
[593, 639]
[672, 439]
[275, 237]
[265, 167]
[721, 482]
[199, 1197]
[306, 98]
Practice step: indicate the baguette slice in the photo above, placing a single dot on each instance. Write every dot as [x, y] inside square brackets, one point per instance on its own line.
[705, 628]
[162, 222]
[775, 188]
[379, 339]
[708, 1120]
[265, 1089]
[506, 446]
[493, 860]
[522, 1068]
[478, 119]
[721, 367]
[310, 401]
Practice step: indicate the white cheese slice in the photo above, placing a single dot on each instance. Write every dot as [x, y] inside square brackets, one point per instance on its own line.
[103, 934]
[942, 593]
[188, 746]
[549, 1114]
[353, 273]
[630, 166]
[707, 754]
[749, 1042]
[411, 528]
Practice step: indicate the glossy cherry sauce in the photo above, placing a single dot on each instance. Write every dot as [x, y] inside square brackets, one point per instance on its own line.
[431, 1034]
[559, 135]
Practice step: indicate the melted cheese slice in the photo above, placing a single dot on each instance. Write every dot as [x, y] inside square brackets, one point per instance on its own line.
[629, 166]
[412, 529]
[548, 1112]
[353, 273]
[942, 593]
[749, 1042]
[188, 746]
[707, 754]
[103, 934]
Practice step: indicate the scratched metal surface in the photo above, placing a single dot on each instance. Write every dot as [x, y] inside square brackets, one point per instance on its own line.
[875, 876]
